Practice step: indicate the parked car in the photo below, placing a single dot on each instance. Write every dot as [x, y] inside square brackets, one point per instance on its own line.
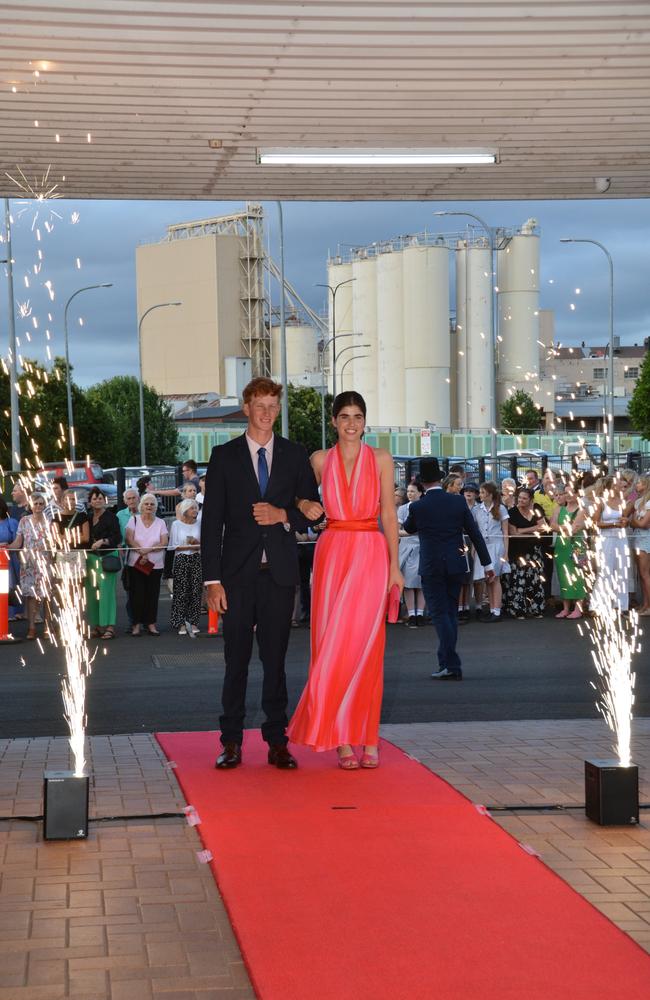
[84, 473]
[584, 455]
[80, 478]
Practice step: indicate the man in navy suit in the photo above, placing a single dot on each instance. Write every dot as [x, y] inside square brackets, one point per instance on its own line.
[441, 519]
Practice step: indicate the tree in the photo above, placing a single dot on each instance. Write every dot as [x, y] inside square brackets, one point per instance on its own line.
[43, 408]
[305, 421]
[639, 405]
[120, 395]
[519, 413]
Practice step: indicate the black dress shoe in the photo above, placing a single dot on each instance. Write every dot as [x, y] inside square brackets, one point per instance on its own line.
[230, 756]
[447, 675]
[280, 757]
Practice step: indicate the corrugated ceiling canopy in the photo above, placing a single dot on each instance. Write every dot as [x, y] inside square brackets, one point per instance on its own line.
[136, 90]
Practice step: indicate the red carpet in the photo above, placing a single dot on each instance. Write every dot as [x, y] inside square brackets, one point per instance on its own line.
[389, 885]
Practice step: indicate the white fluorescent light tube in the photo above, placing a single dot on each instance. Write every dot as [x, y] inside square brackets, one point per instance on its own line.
[374, 157]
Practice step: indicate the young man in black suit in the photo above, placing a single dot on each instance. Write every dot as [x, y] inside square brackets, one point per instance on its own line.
[440, 519]
[250, 562]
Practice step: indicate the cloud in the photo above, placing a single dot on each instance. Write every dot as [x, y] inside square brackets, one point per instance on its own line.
[107, 233]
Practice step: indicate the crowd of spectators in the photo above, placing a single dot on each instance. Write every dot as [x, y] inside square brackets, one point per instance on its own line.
[569, 543]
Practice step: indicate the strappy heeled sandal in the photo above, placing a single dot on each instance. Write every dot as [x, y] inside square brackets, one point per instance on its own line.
[369, 761]
[348, 761]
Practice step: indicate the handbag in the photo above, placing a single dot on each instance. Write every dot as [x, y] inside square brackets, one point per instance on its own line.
[393, 604]
[143, 565]
[111, 563]
[580, 557]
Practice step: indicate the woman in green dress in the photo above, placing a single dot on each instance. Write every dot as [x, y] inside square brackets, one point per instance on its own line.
[568, 523]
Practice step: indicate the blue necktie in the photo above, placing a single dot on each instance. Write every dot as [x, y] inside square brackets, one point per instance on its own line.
[262, 470]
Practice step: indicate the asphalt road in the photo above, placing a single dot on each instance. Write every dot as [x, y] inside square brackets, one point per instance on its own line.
[513, 670]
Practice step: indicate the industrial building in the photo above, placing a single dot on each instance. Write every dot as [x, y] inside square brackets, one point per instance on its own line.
[411, 327]
[215, 268]
[401, 351]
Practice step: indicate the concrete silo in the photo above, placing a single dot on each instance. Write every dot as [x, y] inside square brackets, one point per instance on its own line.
[518, 309]
[338, 272]
[302, 354]
[390, 339]
[473, 319]
[425, 288]
[362, 374]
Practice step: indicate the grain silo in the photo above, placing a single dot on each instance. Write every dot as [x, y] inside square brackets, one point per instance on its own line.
[302, 354]
[425, 286]
[518, 308]
[362, 373]
[473, 325]
[390, 339]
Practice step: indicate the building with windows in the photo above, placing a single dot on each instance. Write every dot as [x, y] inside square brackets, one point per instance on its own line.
[573, 384]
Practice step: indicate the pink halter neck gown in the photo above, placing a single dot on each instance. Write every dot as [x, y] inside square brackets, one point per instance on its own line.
[342, 700]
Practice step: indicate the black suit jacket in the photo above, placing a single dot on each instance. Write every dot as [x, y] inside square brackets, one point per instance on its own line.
[232, 542]
[441, 519]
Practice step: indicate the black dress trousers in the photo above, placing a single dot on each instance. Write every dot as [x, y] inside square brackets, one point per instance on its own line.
[267, 605]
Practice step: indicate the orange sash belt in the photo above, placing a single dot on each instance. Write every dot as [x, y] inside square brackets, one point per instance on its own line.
[368, 524]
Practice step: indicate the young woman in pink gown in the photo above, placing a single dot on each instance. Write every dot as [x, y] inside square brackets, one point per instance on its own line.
[355, 566]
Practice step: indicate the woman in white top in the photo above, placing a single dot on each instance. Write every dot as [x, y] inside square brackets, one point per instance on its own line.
[409, 560]
[612, 549]
[492, 520]
[185, 543]
[640, 521]
[146, 536]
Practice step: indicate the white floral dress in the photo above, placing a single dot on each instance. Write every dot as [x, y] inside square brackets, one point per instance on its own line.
[36, 557]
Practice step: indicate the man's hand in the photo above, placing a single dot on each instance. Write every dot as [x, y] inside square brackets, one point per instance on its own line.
[266, 513]
[217, 598]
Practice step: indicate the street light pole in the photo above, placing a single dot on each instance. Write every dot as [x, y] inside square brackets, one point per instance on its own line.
[334, 289]
[352, 347]
[68, 382]
[492, 350]
[159, 305]
[324, 383]
[355, 357]
[13, 350]
[283, 335]
[609, 410]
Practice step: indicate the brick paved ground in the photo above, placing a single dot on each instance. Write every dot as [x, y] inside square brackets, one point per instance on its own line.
[131, 913]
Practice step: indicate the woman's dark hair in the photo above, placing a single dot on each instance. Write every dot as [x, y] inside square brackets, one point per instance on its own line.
[4, 510]
[60, 481]
[94, 492]
[524, 489]
[418, 485]
[142, 483]
[350, 398]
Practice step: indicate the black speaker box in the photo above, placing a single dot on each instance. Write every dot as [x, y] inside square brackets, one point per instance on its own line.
[65, 805]
[611, 793]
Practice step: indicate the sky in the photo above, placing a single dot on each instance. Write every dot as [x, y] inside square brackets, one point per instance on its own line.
[90, 242]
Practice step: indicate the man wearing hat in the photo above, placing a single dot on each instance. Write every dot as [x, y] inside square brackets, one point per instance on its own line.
[441, 519]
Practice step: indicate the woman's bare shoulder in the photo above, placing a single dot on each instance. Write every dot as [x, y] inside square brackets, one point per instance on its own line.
[383, 456]
[318, 457]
